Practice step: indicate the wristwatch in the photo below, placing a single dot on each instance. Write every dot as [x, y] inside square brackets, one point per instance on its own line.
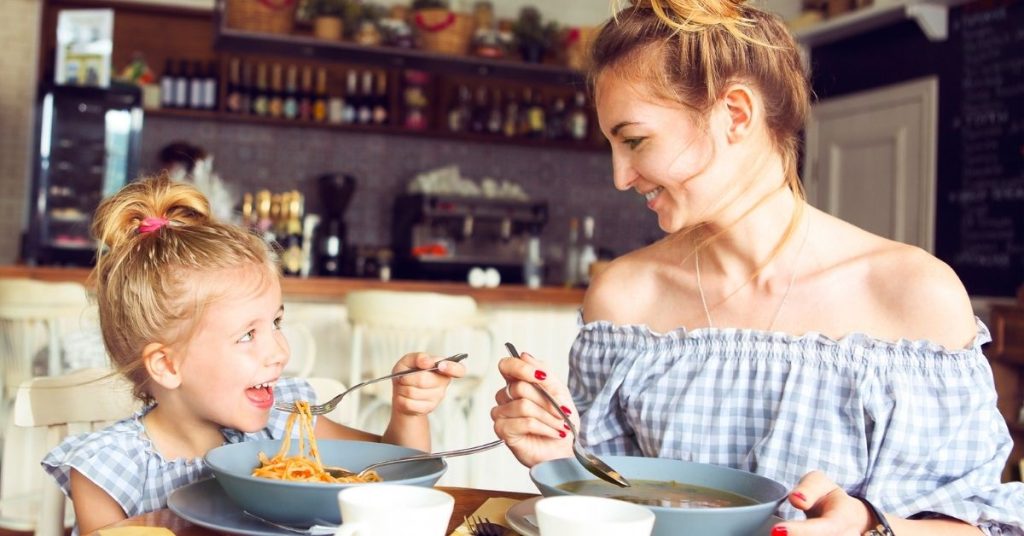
[882, 528]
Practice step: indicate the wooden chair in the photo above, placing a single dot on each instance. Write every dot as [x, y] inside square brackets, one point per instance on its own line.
[46, 410]
[303, 347]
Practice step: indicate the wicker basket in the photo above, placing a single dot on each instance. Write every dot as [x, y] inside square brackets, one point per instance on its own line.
[273, 16]
[444, 31]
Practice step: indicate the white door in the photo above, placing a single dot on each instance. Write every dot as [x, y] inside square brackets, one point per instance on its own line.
[870, 160]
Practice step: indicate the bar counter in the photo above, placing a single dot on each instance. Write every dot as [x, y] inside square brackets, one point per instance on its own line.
[334, 290]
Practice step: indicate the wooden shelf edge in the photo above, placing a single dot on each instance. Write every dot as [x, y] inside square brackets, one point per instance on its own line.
[389, 130]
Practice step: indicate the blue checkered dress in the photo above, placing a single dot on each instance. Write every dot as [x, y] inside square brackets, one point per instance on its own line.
[910, 425]
[121, 459]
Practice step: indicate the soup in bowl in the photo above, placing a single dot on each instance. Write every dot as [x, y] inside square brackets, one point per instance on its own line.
[686, 497]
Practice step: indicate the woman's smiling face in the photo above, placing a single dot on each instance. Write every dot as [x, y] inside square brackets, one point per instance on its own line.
[662, 152]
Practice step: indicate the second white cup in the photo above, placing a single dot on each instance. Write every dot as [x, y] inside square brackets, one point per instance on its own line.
[389, 509]
[577, 515]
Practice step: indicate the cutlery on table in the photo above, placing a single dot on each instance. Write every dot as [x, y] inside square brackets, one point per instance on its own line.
[587, 459]
[314, 530]
[481, 526]
[339, 472]
[327, 407]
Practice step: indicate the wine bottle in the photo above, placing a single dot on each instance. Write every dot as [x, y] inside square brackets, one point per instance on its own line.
[181, 85]
[168, 84]
[348, 110]
[578, 120]
[290, 109]
[210, 86]
[234, 96]
[320, 98]
[364, 109]
[260, 99]
[380, 100]
[245, 91]
[306, 94]
[275, 103]
[196, 92]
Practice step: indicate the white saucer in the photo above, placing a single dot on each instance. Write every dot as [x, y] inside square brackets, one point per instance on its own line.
[522, 519]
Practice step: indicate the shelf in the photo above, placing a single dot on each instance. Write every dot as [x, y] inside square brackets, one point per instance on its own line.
[238, 41]
[390, 130]
[930, 15]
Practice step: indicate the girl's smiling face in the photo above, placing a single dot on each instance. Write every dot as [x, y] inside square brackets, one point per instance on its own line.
[662, 152]
[237, 351]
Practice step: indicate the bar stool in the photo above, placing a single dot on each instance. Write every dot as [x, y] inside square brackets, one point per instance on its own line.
[389, 324]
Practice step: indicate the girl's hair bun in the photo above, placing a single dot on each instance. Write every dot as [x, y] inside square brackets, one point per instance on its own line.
[140, 208]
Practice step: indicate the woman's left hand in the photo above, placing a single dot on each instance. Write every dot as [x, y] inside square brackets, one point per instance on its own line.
[829, 510]
[419, 394]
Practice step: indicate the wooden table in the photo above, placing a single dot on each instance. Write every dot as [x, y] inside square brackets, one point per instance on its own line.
[466, 502]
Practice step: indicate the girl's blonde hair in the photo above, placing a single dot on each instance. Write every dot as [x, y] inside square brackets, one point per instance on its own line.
[145, 278]
[690, 51]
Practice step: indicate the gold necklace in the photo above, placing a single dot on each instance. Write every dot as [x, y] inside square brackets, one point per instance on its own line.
[778, 310]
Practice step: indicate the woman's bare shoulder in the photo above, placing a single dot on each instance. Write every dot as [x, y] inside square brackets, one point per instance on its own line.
[627, 290]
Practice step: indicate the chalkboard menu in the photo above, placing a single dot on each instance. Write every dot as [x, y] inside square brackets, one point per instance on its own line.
[980, 204]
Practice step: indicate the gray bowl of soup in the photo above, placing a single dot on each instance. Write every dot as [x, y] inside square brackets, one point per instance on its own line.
[686, 497]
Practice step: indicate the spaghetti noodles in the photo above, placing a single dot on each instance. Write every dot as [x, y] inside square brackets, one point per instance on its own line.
[302, 468]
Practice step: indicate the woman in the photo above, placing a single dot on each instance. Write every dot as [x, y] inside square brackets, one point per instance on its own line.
[761, 333]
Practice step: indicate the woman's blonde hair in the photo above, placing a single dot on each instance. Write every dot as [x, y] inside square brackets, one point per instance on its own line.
[156, 237]
[690, 51]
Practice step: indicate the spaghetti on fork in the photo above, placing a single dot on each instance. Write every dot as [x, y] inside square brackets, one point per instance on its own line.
[303, 467]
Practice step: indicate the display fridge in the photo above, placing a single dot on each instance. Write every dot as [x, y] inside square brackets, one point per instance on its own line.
[87, 148]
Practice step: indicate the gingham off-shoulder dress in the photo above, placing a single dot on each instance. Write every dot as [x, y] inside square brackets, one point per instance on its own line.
[908, 424]
[121, 459]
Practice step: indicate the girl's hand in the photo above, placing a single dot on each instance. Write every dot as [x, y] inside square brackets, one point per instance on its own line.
[829, 510]
[525, 420]
[418, 394]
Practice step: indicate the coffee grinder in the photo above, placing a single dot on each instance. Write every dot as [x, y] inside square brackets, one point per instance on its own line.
[336, 192]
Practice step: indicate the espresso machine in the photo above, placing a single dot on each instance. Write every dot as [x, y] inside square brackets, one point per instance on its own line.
[442, 237]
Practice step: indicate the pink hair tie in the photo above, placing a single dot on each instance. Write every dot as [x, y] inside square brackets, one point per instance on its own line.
[152, 223]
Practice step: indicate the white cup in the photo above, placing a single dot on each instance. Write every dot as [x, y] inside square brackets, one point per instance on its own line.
[389, 509]
[578, 515]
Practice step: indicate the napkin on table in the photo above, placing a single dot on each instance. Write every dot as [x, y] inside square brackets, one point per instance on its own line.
[494, 510]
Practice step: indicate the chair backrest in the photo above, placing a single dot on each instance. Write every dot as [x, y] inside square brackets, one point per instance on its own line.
[34, 315]
[389, 324]
[47, 409]
[303, 347]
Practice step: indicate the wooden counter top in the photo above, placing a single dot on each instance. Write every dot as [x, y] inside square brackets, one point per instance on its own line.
[329, 289]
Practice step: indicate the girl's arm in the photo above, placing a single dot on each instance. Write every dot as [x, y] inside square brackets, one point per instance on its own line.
[94, 509]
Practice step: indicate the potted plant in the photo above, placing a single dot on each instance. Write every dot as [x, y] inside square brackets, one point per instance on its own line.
[532, 36]
[328, 17]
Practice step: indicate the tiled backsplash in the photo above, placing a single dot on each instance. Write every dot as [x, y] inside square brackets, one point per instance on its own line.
[250, 157]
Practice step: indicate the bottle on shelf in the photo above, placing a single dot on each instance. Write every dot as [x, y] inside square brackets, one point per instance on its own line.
[233, 100]
[533, 263]
[537, 118]
[523, 130]
[348, 110]
[320, 97]
[588, 251]
[181, 85]
[510, 121]
[306, 94]
[335, 108]
[290, 107]
[245, 92]
[260, 99]
[480, 111]
[571, 275]
[291, 243]
[196, 87]
[461, 110]
[364, 109]
[168, 84]
[210, 86]
[578, 127]
[495, 114]
[275, 102]
[381, 101]
[555, 120]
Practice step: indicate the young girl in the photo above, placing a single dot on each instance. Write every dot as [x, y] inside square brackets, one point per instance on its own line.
[762, 333]
[190, 310]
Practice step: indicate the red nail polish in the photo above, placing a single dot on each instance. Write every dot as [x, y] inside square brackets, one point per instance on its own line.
[800, 496]
[779, 530]
[565, 410]
[561, 433]
[540, 375]
[566, 426]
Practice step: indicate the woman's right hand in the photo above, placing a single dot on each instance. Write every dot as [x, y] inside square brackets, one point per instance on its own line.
[525, 419]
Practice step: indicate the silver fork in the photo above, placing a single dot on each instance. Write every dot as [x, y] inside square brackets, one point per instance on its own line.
[481, 526]
[587, 459]
[327, 407]
[341, 472]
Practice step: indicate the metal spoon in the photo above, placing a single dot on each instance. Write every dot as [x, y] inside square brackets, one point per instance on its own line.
[339, 472]
[587, 459]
